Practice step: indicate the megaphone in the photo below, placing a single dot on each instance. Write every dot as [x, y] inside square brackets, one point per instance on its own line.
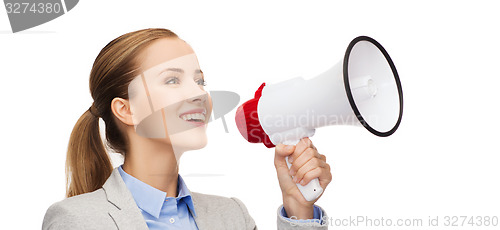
[363, 89]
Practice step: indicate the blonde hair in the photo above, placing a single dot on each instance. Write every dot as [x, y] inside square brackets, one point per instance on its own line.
[87, 162]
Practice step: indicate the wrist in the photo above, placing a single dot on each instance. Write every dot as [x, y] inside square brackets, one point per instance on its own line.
[297, 210]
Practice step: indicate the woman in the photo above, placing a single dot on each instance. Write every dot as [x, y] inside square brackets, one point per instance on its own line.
[148, 89]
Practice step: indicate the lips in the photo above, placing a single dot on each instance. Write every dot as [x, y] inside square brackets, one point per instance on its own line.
[194, 116]
[200, 110]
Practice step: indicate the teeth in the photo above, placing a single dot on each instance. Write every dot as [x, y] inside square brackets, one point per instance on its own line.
[198, 116]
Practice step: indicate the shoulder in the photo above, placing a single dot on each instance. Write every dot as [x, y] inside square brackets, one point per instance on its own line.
[81, 203]
[224, 208]
[218, 202]
[73, 211]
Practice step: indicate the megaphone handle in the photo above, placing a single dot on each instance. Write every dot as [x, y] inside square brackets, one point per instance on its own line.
[310, 191]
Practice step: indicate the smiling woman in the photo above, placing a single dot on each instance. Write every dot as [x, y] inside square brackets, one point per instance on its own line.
[148, 88]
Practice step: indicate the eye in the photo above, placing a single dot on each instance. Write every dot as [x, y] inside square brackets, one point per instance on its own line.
[201, 82]
[172, 80]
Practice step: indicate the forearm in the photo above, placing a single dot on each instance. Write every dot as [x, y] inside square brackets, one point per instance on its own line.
[297, 210]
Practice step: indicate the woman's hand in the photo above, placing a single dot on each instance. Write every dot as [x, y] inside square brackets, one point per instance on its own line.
[307, 164]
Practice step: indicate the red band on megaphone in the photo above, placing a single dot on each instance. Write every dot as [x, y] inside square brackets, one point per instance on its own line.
[247, 121]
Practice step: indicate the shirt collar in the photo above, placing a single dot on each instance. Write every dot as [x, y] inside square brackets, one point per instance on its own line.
[151, 199]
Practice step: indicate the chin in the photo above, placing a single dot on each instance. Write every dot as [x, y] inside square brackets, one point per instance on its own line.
[192, 139]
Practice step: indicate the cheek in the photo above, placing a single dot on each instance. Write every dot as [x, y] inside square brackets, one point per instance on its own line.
[209, 104]
[174, 123]
[167, 99]
[140, 108]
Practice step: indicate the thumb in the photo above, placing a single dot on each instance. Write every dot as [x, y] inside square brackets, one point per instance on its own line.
[282, 151]
[287, 186]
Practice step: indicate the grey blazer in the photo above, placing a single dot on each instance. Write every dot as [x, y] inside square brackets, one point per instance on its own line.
[113, 207]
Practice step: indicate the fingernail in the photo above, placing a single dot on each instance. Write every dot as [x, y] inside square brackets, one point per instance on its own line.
[302, 182]
[290, 160]
[292, 172]
[295, 180]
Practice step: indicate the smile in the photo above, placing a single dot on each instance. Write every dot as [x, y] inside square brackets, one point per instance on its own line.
[194, 117]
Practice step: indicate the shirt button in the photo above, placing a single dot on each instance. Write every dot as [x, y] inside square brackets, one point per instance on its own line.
[172, 220]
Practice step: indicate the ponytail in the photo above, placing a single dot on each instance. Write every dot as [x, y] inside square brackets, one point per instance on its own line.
[87, 163]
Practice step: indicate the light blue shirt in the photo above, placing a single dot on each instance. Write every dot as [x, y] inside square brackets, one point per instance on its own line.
[162, 212]
[158, 210]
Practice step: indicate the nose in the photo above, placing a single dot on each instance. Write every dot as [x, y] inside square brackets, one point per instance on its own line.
[196, 94]
[200, 98]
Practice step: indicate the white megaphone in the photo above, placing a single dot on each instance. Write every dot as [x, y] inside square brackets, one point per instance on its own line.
[362, 89]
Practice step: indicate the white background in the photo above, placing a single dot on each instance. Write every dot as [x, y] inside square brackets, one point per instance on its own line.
[442, 161]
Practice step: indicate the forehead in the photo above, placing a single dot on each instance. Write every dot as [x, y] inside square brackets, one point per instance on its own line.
[184, 64]
[164, 50]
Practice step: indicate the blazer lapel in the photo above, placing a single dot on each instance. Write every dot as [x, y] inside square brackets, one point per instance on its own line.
[124, 212]
[202, 215]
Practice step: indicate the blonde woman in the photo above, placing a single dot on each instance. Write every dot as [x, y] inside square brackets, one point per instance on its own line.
[148, 89]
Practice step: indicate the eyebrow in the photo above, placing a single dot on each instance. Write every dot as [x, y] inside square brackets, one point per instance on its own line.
[173, 69]
[179, 70]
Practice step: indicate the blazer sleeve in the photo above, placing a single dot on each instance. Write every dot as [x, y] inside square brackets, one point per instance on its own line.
[284, 224]
[249, 222]
[58, 218]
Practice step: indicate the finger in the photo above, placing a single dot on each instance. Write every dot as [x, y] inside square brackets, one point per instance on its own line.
[313, 146]
[323, 174]
[310, 165]
[300, 147]
[302, 159]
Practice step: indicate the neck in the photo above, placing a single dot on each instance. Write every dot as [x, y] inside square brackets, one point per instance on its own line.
[154, 163]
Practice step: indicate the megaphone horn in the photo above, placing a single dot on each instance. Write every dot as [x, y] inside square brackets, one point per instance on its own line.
[362, 89]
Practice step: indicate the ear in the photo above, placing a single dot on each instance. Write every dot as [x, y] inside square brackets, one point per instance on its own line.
[121, 109]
